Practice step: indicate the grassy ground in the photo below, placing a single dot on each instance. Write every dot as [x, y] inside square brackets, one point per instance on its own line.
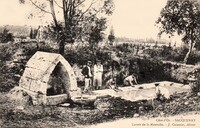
[14, 115]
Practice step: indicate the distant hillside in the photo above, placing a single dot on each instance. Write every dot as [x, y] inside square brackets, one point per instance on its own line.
[17, 30]
[135, 41]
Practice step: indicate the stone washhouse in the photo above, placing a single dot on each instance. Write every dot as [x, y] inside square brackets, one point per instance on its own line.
[49, 79]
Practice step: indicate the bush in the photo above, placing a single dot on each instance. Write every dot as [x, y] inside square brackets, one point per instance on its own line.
[5, 36]
[195, 75]
[9, 69]
[194, 57]
[31, 48]
[151, 70]
[177, 55]
[81, 55]
[124, 48]
[6, 51]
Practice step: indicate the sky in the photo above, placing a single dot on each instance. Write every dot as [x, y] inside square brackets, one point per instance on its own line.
[131, 18]
[136, 18]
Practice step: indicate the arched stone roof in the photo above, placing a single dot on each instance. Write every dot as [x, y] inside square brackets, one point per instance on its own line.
[38, 70]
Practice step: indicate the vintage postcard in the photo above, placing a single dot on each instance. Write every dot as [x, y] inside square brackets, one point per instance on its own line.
[100, 63]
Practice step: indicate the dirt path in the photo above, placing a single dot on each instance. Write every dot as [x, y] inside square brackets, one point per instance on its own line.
[190, 120]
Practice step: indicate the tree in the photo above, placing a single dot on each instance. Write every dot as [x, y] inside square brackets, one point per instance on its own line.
[181, 17]
[78, 17]
[111, 36]
[6, 36]
[31, 34]
[96, 35]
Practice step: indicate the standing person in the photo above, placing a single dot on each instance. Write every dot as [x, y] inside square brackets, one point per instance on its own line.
[98, 72]
[88, 76]
[39, 33]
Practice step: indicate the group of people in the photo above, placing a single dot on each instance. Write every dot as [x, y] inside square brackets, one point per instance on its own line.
[93, 78]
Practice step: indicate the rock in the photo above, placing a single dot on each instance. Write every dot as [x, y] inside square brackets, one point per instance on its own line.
[160, 107]
[17, 75]
[20, 97]
[102, 103]
[162, 113]
[65, 104]
[196, 98]
[151, 116]
[141, 88]
[20, 107]
[135, 108]
[136, 115]
[185, 97]
[85, 100]
[141, 108]
[191, 98]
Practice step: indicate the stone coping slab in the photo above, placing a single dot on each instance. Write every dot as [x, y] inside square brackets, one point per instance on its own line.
[148, 91]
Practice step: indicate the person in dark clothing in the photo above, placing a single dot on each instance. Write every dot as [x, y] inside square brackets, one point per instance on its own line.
[88, 76]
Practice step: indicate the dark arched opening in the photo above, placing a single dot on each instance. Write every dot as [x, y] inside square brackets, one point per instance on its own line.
[59, 81]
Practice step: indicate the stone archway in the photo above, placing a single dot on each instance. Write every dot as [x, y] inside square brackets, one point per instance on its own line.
[38, 74]
[59, 81]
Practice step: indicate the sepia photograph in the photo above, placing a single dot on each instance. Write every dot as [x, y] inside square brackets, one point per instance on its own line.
[99, 63]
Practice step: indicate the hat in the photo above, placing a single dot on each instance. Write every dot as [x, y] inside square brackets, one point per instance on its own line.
[89, 62]
[98, 60]
[156, 84]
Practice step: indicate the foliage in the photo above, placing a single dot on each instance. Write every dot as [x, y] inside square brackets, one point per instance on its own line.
[111, 36]
[96, 34]
[195, 75]
[33, 33]
[80, 55]
[151, 70]
[12, 65]
[165, 53]
[177, 55]
[181, 17]
[7, 78]
[6, 52]
[180, 73]
[6, 36]
[124, 48]
[194, 58]
[52, 34]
